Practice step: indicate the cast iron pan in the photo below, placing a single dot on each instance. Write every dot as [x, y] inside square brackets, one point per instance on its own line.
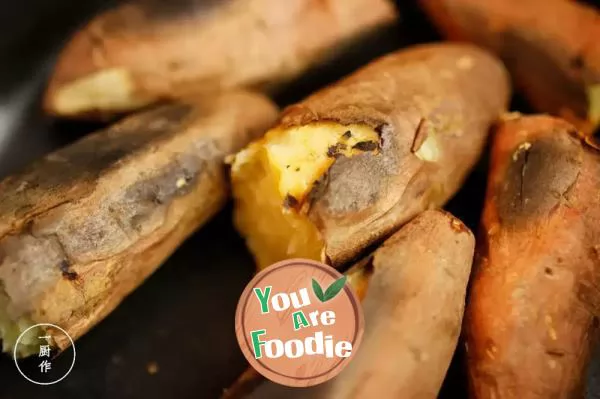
[180, 320]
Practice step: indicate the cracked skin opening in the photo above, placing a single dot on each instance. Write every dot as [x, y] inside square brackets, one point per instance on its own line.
[272, 177]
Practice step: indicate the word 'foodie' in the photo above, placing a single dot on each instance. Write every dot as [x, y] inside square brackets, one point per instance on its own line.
[319, 344]
[298, 323]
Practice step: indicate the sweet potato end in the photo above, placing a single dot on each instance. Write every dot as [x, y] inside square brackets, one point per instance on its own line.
[272, 179]
[109, 90]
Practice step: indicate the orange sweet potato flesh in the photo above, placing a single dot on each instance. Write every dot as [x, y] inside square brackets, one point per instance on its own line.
[422, 114]
[533, 307]
[551, 48]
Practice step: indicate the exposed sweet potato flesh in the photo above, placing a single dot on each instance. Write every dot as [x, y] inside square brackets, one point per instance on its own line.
[108, 90]
[593, 93]
[272, 177]
[11, 329]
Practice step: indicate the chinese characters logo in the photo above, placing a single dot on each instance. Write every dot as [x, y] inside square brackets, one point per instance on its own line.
[37, 355]
[45, 351]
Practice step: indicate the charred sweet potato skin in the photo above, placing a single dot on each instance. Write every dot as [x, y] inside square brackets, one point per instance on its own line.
[164, 50]
[438, 96]
[551, 48]
[533, 307]
[83, 227]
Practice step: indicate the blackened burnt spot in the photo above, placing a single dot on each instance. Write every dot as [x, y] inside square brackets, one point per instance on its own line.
[365, 146]
[71, 276]
[318, 189]
[290, 202]
[347, 135]
[537, 177]
[67, 273]
[577, 62]
[334, 150]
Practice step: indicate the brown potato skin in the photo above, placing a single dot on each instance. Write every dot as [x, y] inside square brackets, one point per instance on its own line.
[532, 313]
[452, 92]
[413, 311]
[550, 47]
[414, 303]
[83, 227]
[197, 46]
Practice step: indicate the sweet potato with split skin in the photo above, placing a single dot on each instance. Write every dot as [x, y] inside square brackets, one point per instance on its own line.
[82, 228]
[414, 289]
[550, 47]
[350, 164]
[142, 52]
[532, 313]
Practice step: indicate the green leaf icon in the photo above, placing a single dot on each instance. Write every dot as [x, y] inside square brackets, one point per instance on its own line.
[318, 290]
[330, 292]
[334, 289]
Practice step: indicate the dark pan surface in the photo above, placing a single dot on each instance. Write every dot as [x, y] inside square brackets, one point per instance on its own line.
[181, 319]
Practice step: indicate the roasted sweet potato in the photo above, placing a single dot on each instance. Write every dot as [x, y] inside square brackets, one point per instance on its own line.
[550, 47]
[352, 163]
[145, 51]
[83, 227]
[532, 313]
[415, 286]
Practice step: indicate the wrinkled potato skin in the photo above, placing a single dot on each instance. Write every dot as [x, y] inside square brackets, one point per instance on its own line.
[414, 302]
[532, 313]
[174, 49]
[83, 227]
[550, 47]
[413, 309]
[449, 92]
